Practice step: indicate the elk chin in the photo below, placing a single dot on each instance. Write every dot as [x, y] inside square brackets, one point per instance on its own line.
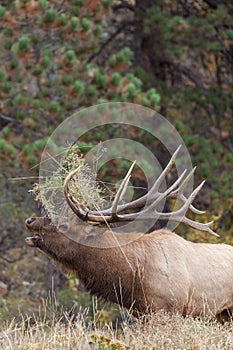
[33, 241]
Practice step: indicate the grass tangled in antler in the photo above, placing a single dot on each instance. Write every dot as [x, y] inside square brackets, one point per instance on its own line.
[84, 187]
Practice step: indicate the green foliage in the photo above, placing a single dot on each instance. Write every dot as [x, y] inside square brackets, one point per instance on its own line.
[6, 149]
[39, 145]
[7, 31]
[2, 75]
[153, 97]
[229, 34]
[35, 38]
[2, 11]
[131, 90]
[46, 60]
[107, 3]
[78, 87]
[27, 149]
[6, 86]
[98, 30]
[136, 81]
[74, 23]
[84, 187]
[116, 78]
[6, 132]
[91, 91]
[22, 46]
[7, 44]
[229, 158]
[18, 99]
[59, 66]
[3, 145]
[14, 63]
[85, 24]
[54, 106]
[194, 102]
[50, 16]
[38, 69]
[67, 79]
[124, 56]
[100, 79]
[43, 4]
[63, 19]
[70, 55]
[77, 2]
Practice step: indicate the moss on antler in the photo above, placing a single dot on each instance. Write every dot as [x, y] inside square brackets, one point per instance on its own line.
[83, 187]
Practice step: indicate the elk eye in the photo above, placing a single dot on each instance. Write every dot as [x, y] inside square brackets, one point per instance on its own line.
[30, 220]
[63, 227]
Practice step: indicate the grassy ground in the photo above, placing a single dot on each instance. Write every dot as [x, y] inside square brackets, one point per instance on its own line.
[161, 331]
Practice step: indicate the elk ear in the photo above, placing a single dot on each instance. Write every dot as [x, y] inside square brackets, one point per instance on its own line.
[92, 231]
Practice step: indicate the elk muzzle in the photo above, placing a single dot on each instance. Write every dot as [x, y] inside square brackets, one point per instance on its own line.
[33, 241]
[37, 225]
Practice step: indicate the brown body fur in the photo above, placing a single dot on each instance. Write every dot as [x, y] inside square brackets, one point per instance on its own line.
[155, 271]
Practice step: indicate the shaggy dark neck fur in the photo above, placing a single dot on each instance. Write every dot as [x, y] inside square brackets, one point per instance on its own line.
[113, 278]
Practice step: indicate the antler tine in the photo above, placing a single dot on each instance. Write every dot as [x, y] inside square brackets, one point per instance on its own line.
[191, 207]
[74, 205]
[179, 215]
[178, 194]
[148, 198]
[161, 177]
[150, 212]
[186, 180]
[175, 184]
[190, 198]
[121, 191]
[158, 196]
[200, 226]
[140, 202]
[152, 198]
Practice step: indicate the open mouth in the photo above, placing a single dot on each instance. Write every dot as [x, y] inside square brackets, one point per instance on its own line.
[33, 240]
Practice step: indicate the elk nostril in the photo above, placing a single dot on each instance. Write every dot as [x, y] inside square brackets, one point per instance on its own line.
[30, 220]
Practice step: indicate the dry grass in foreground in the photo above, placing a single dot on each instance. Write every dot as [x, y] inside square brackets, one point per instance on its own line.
[161, 331]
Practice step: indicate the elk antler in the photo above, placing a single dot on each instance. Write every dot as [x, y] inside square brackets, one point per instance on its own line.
[152, 198]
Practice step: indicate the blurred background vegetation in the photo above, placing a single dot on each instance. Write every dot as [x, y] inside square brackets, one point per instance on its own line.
[57, 57]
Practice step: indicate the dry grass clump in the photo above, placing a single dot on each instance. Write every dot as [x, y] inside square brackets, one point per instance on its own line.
[165, 331]
[83, 187]
[161, 331]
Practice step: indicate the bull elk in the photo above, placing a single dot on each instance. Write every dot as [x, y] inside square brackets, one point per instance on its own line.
[154, 271]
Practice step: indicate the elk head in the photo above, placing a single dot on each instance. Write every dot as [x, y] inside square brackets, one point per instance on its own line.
[46, 236]
[51, 241]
